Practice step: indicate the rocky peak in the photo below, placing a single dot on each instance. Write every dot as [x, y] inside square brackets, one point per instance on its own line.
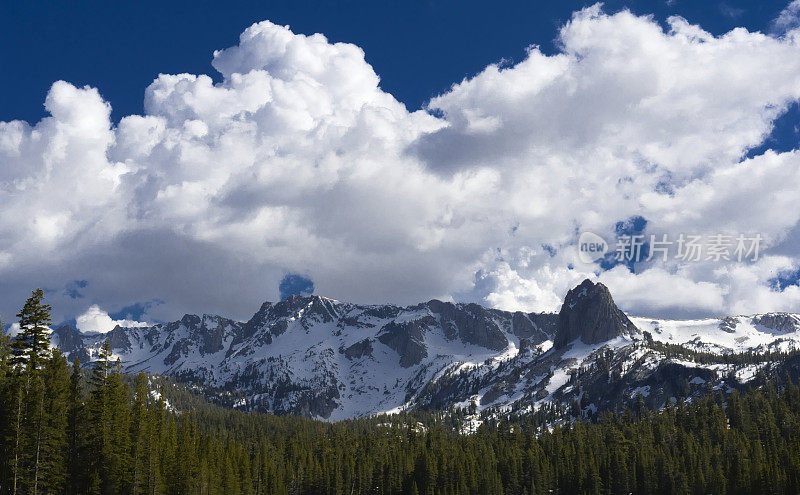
[589, 313]
[70, 341]
[778, 322]
[304, 307]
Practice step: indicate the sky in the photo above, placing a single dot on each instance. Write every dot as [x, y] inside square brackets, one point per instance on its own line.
[159, 159]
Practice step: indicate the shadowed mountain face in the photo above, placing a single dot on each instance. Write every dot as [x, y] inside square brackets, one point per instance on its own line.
[71, 342]
[317, 357]
[589, 314]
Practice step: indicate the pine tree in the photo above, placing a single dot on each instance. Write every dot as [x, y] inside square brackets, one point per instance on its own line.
[119, 447]
[30, 349]
[109, 415]
[31, 438]
[33, 341]
[140, 426]
[97, 415]
[155, 477]
[54, 442]
[16, 397]
[76, 432]
[101, 367]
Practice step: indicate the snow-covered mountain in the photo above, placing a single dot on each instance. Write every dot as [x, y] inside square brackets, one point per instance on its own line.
[323, 358]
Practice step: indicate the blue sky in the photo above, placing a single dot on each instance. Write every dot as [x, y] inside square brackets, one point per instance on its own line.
[417, 48]
[161, 158]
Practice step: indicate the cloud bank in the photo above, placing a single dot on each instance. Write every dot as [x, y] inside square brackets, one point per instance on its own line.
[98, 321]
[298, 162]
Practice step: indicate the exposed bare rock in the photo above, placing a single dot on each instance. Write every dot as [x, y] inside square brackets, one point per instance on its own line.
[589, 314]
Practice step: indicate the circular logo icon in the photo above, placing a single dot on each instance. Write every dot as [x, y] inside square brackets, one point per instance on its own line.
[591, 247]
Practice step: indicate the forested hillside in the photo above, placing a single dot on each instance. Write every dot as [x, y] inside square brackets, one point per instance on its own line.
[66, 429]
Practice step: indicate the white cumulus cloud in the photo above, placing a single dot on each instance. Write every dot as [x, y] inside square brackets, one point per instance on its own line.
[95, 320]
[298, 161]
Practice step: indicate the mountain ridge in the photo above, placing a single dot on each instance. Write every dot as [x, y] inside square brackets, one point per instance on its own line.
[318, 357]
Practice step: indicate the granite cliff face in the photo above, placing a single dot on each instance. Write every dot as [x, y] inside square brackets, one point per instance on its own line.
[589, 314]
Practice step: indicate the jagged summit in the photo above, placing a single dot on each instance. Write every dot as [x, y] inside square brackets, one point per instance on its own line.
[320, 357]
[314, 356]
[589, 314]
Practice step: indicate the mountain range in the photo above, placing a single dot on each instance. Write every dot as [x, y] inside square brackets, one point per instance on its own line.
[322, 358]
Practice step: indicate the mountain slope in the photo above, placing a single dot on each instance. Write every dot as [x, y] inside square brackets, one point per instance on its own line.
[322, 358]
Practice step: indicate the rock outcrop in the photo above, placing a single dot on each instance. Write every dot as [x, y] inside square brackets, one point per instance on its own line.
[778, 322]
[589, 314]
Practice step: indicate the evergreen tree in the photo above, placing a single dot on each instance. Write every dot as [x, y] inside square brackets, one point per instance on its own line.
[32, 344]
[109, 414]
[30, 349]
[76, 432]
[62, 435]
[53, 471]
[140, 441]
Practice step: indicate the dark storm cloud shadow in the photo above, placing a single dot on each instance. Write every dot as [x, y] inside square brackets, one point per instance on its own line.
[672, 312]
[189, 276]
[450, 150]
[73, 289]
[137, 311]
[540, 123]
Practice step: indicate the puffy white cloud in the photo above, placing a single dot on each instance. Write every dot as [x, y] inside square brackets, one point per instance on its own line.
[516, 281]
[671, 104]
[96, 320]
[297, 161]
[657, 291]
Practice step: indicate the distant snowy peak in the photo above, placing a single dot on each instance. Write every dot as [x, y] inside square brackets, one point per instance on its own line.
[730, 334]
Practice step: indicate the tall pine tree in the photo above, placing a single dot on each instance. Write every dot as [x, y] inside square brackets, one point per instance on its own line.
[32, 343]
[30, 349]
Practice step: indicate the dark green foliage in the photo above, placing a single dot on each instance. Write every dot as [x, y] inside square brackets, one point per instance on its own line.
[34, 388]
[108, 415]
[54, 442]
[32, 343]
[77, 453]
[96, 430]
[750, 444]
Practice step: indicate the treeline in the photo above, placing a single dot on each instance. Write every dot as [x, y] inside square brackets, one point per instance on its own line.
[85, 430]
